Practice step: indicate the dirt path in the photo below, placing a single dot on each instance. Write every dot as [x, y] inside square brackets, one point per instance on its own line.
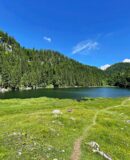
[76, 150]
[77, 145]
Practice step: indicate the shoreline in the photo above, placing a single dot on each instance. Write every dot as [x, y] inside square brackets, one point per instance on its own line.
[3, 90]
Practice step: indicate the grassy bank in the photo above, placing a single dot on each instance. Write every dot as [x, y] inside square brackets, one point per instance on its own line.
[30, 131]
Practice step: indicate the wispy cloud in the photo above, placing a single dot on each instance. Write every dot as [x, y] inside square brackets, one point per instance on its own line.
[48, 39]
[104, 67]
[85, 46]
[126, 60]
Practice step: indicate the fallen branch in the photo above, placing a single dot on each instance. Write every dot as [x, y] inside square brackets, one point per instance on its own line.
[96, 149]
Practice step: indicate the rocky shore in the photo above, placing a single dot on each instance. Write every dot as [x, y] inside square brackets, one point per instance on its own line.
[3, 90]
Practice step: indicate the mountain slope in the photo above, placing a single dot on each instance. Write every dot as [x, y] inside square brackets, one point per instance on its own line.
[118, 68]
[119, 74]
[20, 67]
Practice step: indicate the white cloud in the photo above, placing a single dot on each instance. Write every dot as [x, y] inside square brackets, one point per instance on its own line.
[104, 67]
[48, 39]
[85, 46]
[126, 60]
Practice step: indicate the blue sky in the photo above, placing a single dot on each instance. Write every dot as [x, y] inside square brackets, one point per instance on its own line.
[94, 32]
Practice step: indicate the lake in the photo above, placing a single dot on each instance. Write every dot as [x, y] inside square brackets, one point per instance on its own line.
[73, 93]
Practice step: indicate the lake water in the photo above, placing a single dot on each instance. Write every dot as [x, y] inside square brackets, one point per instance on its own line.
[73, 93]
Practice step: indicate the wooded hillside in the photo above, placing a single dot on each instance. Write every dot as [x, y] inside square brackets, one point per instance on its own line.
[21, 67]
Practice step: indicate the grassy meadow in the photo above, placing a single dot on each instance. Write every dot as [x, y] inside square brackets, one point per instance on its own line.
[29, 130]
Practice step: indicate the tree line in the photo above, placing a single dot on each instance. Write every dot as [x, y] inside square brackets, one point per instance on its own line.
[21, 68]
[119, 75]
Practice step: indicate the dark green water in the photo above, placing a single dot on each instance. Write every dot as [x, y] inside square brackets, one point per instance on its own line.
[73, 93]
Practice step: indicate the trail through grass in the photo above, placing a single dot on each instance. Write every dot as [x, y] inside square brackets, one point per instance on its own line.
[77, 145]
[30, 131]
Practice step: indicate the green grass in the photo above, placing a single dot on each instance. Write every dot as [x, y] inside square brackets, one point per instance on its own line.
[29, 130]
